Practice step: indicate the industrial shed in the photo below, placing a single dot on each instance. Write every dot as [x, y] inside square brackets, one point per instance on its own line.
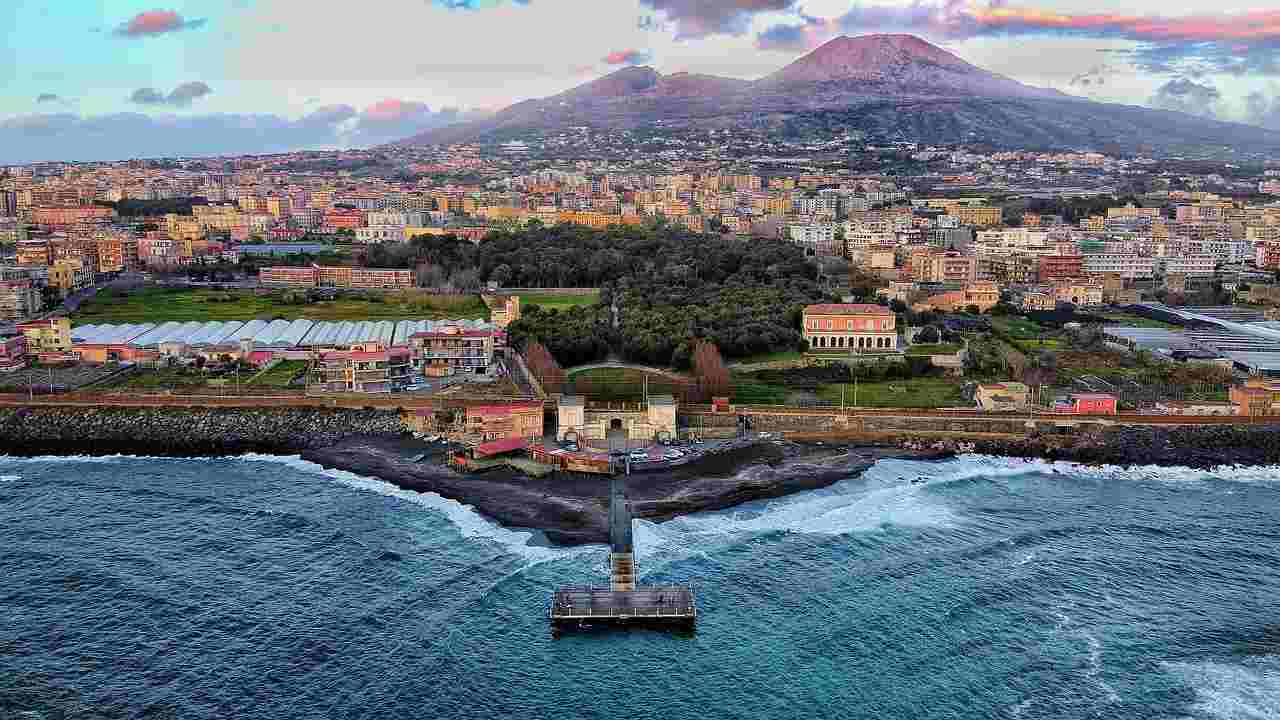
[406, 329]
[346, 334]
[277, 333]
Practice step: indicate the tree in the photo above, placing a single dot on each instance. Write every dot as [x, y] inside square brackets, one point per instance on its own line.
[710, 371]
[928, 335]
[501, 274]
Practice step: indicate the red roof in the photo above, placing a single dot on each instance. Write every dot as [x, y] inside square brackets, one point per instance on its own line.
[502, 409]
[498, 447]
[847, 309]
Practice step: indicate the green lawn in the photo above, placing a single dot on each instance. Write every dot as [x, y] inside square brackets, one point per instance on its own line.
[935, 349]
[914, 393]
[559, 302]
[183, 305]
[1139, 321]
[622, 384]
[1019, 327]
[1034, 345]
[749, 392]
[279, 375]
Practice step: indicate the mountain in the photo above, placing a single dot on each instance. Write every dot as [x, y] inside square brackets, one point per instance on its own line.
[887, 86]
[894, 64]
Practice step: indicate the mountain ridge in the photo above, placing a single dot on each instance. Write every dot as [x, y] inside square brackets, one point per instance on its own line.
[849, 77]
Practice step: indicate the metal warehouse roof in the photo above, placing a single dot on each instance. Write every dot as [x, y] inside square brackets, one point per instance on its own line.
[1264, 362]
[337, 334]
[190, 333]
[1151, 338]
[278, 333]
[406, 329]
[109, 334]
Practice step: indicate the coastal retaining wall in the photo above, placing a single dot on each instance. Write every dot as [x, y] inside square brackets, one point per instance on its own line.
[175, 431]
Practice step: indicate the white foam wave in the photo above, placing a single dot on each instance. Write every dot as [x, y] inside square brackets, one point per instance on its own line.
[1246, 691]
[10, 478]
[850, 506]
[469, 523]
[972, 466]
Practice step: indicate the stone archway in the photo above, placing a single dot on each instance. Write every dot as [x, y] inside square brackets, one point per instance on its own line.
[615, 424]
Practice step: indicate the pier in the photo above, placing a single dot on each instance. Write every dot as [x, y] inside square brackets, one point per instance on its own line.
[622, 602]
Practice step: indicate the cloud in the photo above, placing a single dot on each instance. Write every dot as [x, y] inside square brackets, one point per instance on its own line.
[474, 4]
[157, 22]
[47, 97]
[1187, 96]
[627, 57]
[1262, 111]
[1236, 43]
[67, 136]
[182, 96]
[1093, 77]
[703, 18]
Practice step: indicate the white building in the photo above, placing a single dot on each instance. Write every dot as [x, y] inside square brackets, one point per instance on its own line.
[1128, 266]
[380, 234]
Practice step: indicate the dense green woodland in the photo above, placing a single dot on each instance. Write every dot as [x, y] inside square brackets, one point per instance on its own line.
[671, 287]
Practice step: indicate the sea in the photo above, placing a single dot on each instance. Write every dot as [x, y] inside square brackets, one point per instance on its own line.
[979, 587]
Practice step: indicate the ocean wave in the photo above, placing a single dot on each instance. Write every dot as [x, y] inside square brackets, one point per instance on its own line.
[10, 478]
[1234, 691]
[464, 518]
[973, 467]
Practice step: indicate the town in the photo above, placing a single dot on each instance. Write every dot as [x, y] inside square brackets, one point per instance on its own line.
[1006, 282]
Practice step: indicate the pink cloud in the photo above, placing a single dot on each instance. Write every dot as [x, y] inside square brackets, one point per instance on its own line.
[157, 22]
[627, 57]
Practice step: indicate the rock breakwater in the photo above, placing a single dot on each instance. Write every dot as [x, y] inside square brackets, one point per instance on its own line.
[186, 432]
[1202, 448]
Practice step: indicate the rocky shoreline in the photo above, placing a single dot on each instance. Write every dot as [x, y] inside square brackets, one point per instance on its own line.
[571, 508]
[185, 432]
[1202, 447]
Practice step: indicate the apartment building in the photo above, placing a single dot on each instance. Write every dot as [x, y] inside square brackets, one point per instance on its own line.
[1082, 294]
[19, 300]
[454, 349]
[816, 239]
[365, 368]
[380, 234]
[1191, 265]
[70, 215]
[1059, 267]
[947, 267]
[14, 351]
[70, 275]
[977, 216]
[336, 277]
[850, 327]
[1126, 266]
[983, 295]
[51, 335]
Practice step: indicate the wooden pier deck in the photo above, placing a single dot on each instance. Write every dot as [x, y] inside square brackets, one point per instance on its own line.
[665, 605]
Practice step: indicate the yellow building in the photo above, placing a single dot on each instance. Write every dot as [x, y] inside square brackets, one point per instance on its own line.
[68, 276]
[978, 216]
[51, 335]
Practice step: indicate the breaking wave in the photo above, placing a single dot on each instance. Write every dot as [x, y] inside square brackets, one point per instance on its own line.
[1229, 691]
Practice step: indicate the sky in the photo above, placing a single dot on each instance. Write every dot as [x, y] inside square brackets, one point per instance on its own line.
[106, 79]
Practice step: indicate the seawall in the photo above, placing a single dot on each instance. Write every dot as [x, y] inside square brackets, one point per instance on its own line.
[186, 432]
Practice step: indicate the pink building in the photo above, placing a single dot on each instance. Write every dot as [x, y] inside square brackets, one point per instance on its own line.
[14, 352]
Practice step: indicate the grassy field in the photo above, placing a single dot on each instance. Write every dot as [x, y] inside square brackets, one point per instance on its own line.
[183, 305]
[935, 349]
[623, 384]
[279, 375]
[1139, 321]
[558, 302]
[915, 393]
[1019, 328]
